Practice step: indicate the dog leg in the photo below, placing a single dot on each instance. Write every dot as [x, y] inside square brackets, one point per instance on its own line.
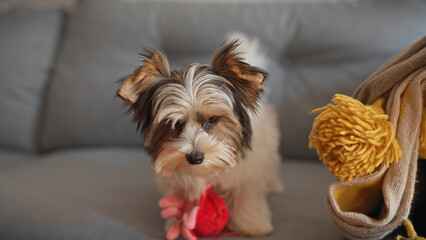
[249, 212]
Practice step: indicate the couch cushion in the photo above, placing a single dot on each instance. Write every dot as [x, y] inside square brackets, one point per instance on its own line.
[110, 194]
[14, 158]
[27, 45]
[317, 49]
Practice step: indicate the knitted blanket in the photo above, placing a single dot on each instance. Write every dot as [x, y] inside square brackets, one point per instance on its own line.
[372, 206]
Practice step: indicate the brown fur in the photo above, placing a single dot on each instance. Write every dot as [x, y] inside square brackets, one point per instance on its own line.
[155, 65]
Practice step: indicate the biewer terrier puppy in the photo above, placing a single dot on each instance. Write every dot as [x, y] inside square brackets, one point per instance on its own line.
[207, 125]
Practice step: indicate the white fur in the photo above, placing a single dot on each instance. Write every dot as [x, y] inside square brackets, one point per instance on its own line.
[257, 174]
[196, 93]
[218, 155]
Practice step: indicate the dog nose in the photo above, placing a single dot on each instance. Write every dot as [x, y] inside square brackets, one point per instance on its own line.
[195, 158]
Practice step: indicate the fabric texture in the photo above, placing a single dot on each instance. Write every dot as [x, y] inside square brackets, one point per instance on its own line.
[402, 82]
[311, 57]
[110, 194]
[11, 159]
[28, 42]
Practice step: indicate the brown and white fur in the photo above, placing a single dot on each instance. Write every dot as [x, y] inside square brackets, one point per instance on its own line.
[207, 125]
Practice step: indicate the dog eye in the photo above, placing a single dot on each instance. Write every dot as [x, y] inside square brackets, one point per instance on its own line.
[213, 120]
[179, 126]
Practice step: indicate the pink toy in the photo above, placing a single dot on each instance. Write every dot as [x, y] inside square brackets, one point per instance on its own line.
[206, 219]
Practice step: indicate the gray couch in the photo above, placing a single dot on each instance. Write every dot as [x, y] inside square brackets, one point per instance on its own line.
[72, 165]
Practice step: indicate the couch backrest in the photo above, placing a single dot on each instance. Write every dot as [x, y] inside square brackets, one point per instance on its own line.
[28, 44]
[317, 49]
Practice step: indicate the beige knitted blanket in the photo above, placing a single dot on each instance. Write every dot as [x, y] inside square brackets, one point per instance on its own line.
[372, 206]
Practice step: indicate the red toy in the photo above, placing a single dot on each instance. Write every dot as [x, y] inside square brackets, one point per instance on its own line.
[208, 218]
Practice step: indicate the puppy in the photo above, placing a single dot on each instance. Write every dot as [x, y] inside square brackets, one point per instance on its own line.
[207, 125]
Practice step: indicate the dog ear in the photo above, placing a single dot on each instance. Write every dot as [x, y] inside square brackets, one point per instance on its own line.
[227, 62]
[248, 81]
[155, 64]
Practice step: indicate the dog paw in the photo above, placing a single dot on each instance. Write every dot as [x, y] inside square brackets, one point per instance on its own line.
[251, 228]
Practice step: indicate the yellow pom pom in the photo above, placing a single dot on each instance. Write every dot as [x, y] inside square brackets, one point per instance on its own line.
[353, 139]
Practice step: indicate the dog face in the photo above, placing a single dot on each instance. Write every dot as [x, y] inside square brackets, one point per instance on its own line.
[195, 120]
